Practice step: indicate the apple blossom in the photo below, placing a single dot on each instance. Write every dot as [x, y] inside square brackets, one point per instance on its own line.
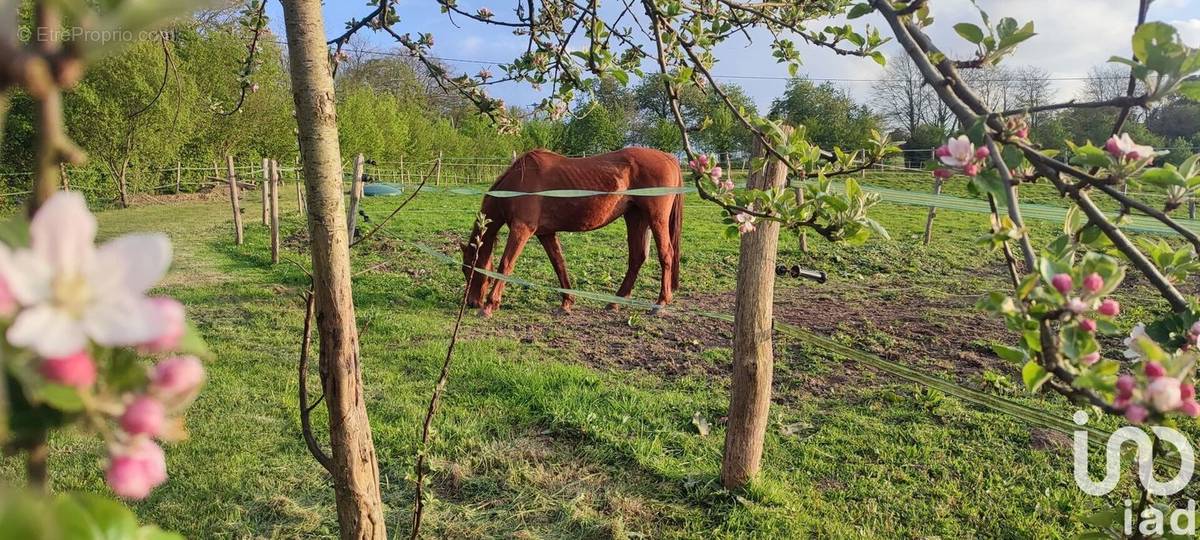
[8, 303]
[1163, 394]
[971, 169]
[1129, 342]
[959, 151]
[1062, 283]
[745, 222]
[1125, 385]
[71, 292]
[1093, 282]
[1154, 370]
[1136, 414]
[1109, 307]
[1090, 358]
[943, 173]
[76, 370]
[144, 416]
[982, 152]
[1190, 408]
[172, 318]
[716, 173]
[1187, 391]
[726, 185]
[135, 470]
[1123, 147]
[1088, 325]
[177, 378]
[1077, 306]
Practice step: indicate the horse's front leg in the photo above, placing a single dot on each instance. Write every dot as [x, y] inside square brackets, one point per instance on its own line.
[517, 236]
[554, 251]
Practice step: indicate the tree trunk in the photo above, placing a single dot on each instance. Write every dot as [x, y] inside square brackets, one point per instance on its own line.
[266, 195]
[355, 471]
[356, 189]
[273, 181]
[234, 200]
[753, 357]
[123, 183]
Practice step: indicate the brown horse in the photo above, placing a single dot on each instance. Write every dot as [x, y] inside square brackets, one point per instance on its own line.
[544, 217]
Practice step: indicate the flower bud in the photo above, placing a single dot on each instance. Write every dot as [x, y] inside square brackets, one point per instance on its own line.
[1088, 325]
[170, 313]
[970, 169]
[1062, 283]
[1093, 282]
[1077, 306]
[1125, 385]
[702, 161]
[1113, 146]
[144, 416]
[1136, 414]
[1090, 358]
[177, 379]
[1187, 391]
[1023, 133]
[941, 151]
[1109, 307]
[136, 470]
[1164, 394]
[982, 152]
[716, 173]
[1190, 408]
[1154, 370]
[76, 370]
[943, 173]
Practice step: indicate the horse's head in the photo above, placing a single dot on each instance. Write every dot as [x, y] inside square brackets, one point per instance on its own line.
[477, 282]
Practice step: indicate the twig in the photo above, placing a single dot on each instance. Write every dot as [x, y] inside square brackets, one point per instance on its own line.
[310, 440]
[411, 196]
[260, 21]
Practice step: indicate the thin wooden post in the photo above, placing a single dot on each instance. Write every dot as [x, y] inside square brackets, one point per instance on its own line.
[438, 182]
[234, 200]
[300, 200]
[753, 354]
[937, 190]
[66, 180]
[403, 178]
[266, 188]
[355, 195]
[273, 180]
[178, 176]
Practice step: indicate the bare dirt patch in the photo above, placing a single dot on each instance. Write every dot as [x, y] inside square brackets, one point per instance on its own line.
[946, 334]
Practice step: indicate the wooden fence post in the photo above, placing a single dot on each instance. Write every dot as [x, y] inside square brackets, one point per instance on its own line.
[266, 187]
[178, 175]
[66, 180]
[273, 179]
[355, 195]
[403, 179]
[753, 354]
[937, 190]
[300, 199]
[233, 200]
[438, 181]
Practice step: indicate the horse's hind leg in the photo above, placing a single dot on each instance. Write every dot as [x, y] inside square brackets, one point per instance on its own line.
[666, 253]
[517, 236]
[554, 250]
[636, 229]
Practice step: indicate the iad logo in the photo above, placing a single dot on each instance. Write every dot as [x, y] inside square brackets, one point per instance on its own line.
[1145, 459]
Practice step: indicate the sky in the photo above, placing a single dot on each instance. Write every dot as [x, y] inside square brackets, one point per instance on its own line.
[1073, 36]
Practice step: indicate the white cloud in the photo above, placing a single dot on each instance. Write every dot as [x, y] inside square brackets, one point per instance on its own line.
[1189, 30]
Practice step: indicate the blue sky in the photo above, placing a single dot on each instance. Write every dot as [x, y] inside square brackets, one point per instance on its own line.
[1073, 36]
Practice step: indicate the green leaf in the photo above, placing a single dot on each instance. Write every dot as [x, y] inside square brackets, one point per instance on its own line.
[112, 519]
[1190, 90]
[192, 343]
[1163, 176]
[1012, 354]
[14, 232]
[1034, 375]
[969, 32]
[63, 398]
[859, 10]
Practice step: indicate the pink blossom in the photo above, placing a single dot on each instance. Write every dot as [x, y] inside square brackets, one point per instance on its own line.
[1109, 307]
[982, 152]
[1164, 394]
[1062, 283]
[1077, 306]
[941, 151]
[726, 185]
[1154, 370]
[254, 88]
[971, 169]
[702, 161]
[716, 174]
[144, 416]
[71, 292]
[1093, 282]
[1090, 358]
[172, 321]
[1123, 147]
[692, 165]
[1125, 385]
[137, 469]
[75, 370]
[745, 222]
[1088, 325]
[1190, 408]
[1136, 414]
[943, 173]
[8, 302]
[960, 151]
[177, 379]
[1187, 391]
[1023, 133]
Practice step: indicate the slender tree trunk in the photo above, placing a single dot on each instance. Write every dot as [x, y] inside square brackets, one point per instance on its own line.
[234, 199]
[356, 186]
[274, 203]
[753, 357]
[937, 190]
[355, 471]
[123, 183]
[266, 194]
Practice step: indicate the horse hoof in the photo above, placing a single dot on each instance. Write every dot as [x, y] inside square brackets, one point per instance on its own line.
[659, 310]
[564, 310]
[613, 307]
[485, 312]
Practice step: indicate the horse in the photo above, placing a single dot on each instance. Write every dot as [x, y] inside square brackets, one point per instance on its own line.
[544, 217]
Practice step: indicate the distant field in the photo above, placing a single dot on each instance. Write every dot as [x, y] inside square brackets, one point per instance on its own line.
[581, 426]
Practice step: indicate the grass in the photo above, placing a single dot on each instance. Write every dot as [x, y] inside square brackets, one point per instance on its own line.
[532, 442]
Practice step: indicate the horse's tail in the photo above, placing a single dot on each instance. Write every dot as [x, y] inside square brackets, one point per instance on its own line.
[676, 229]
